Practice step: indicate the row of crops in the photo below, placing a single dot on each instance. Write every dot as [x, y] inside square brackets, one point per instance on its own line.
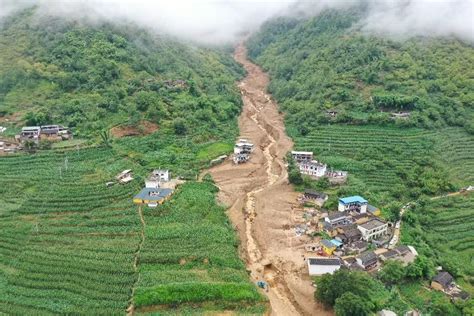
[450, 228]
[394, 160]
[67, 242]
[190, 255]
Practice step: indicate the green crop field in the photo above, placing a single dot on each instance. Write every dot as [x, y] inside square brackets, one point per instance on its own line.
[190, 254]
[445, 225]
[68, 243]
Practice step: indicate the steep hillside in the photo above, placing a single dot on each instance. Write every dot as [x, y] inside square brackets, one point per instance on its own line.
[325, 73]
[90, 78]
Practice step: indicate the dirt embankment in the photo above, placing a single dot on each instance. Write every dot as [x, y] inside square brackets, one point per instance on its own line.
[143, 128]
[262, 203]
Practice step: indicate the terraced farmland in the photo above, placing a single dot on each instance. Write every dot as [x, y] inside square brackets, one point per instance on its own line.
[66, 241]
[448, 230]
[401, 162]
[190, 256]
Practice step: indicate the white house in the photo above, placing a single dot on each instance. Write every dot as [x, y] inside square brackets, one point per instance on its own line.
[156, 177]
[373, 229]
[353, 203]
[313, 168]
[322, 265]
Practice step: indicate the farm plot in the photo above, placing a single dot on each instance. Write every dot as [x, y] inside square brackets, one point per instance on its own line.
[66, 241]
[190, 256]
[448, 230]
[373, 155]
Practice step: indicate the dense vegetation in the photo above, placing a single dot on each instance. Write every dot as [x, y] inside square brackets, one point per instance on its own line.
[326, 63]
[91, 78]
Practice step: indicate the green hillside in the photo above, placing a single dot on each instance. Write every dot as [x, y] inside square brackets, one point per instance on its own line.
[68, 243]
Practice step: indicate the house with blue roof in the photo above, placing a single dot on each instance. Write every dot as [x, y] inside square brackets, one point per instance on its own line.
[354, 203]
[152, 196]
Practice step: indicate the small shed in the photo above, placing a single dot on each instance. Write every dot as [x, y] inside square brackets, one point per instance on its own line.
[314, 195]
[442, 281]
[322, 265]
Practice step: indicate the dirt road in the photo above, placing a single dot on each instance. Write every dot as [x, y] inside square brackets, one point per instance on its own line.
[262, 204]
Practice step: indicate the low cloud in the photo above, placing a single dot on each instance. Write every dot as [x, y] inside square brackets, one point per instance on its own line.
[225, 21]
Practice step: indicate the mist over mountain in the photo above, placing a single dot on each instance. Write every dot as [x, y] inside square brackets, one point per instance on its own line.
[221, 22]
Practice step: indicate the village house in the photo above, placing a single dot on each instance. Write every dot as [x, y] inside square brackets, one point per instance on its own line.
[348, 234]
[302, 156]
[322, 265]
[357, 247]
[30, 133]
[373, 229]
[157, 177]
[367, 260]
[354, 203]
[311, 195]
[313, 168]
[328, 247]
[404, 254]
[152, 196]
[242, 150]
[336, 176]
[442, 281]
[338, 218]
[328, 228]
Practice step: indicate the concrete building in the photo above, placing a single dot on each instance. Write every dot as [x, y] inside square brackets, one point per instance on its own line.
[322, 265]
[313, 168]
[157, 177]
[152, 197]
[367, 260]
[373, 229]
[354, 203]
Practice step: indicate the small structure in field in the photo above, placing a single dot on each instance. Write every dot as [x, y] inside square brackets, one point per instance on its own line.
[46, 132]
[30, 133]
[442, 281]
[242, 150]
[337, 176]
[152, 196]
[354, 203]
[125, 176]
[373, 210]
[322, 265]
[2, 129]
[157, 177]
[373, 229]
[404, 254]
[331, 113]
[400, 115]
[302, 156]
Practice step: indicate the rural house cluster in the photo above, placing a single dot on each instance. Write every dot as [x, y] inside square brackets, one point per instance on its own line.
[242, 151]
[158, 188]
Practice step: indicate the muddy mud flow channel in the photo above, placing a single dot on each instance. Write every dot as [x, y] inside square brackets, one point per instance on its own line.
[262, 204]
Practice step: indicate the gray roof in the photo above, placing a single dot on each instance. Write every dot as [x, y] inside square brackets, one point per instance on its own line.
[324, 261]
[368, 257]
[402, 249]
[153, 194]
[373, 223]
[336, 215]
[352, 233]
[360, 244]
[444, 278]
[371, 208]
[327, 243]
[390, 254]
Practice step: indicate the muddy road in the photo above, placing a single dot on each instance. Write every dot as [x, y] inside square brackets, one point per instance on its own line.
[262, 204]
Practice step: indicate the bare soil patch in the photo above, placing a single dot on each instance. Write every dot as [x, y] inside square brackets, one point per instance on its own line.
[143, 128]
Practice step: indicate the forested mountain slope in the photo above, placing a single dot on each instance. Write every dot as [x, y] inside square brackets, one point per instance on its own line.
[326, 63]
[89, 78]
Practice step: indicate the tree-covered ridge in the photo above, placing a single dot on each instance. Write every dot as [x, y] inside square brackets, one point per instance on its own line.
[326, 63]
[91, 77]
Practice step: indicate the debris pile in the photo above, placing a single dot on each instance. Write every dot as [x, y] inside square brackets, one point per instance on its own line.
[242, 151]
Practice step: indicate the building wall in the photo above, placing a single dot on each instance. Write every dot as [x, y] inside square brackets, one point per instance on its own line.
[322, 269]
[436, 286]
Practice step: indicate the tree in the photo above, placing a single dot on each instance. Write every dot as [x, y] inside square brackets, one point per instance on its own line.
[392, 272]
[350, 304]
[421, 267]
[294, 176]
[105, 137]
[179, 126]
